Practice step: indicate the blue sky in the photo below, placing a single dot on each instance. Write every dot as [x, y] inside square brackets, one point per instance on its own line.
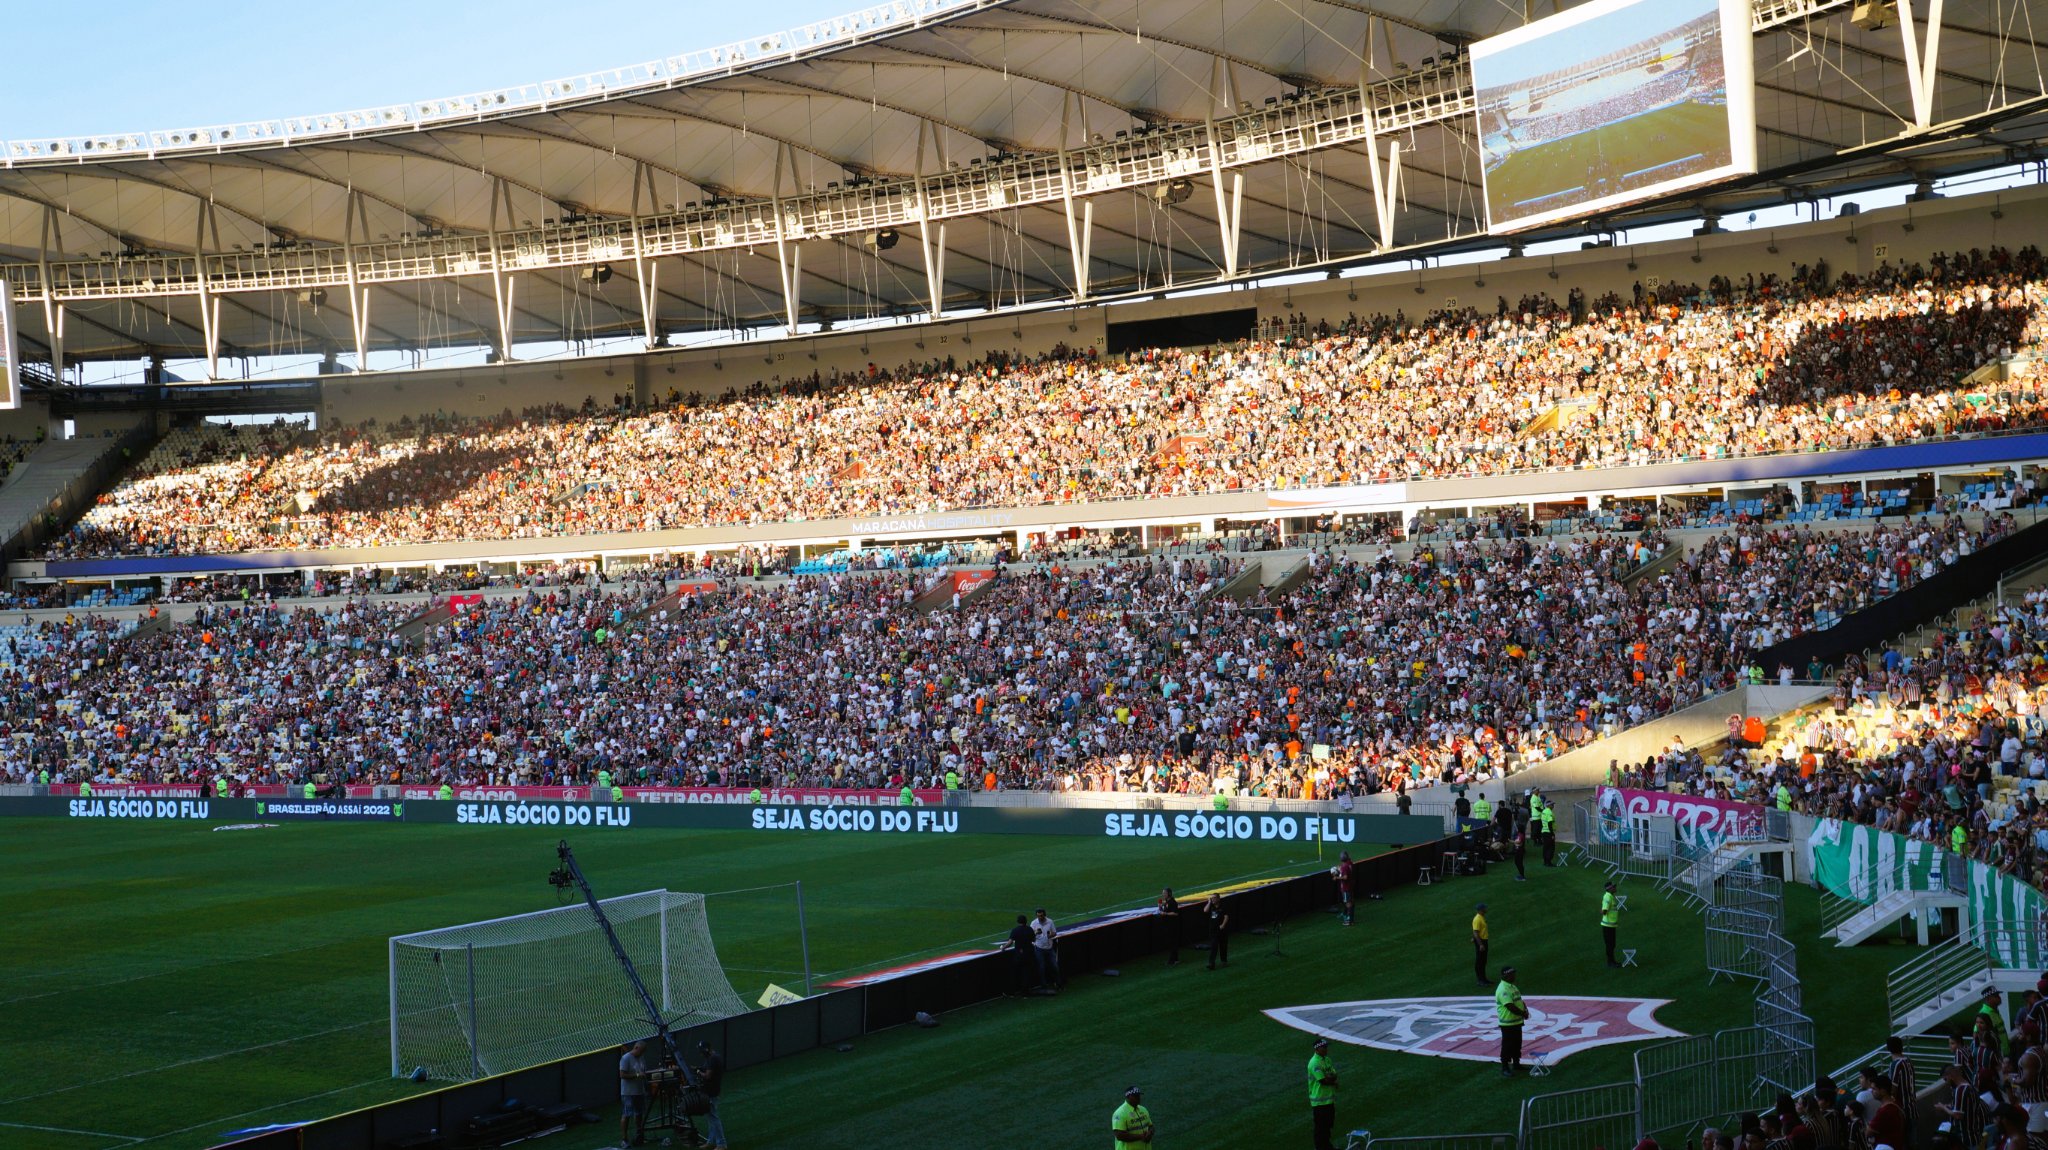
[96, 66]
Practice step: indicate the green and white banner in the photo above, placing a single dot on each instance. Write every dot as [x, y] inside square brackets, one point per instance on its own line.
[1865, 864]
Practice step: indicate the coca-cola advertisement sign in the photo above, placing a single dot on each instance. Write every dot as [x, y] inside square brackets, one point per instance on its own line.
[1698, 821]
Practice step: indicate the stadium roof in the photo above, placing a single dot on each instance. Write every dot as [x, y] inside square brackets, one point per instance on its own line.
[540, 212]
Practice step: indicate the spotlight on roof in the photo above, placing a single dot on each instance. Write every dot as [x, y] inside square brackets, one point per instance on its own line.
[881, 241]
[1174, 191]
[599, 275]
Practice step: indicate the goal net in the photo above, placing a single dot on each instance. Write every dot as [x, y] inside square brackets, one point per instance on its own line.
[487, 997]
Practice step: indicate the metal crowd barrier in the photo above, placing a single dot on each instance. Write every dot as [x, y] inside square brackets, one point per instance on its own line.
[1589, 1118]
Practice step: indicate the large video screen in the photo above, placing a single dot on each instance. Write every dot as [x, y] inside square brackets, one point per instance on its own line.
[1612, 102]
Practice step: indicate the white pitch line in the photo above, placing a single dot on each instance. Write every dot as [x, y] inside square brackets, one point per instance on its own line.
[247, 1113]
[68, 1130]
[189, 1062]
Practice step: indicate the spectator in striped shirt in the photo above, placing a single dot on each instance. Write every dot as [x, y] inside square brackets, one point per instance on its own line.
[1962, 1110]
[1902, 1076]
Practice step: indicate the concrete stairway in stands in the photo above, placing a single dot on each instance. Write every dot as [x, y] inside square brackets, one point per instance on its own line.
[50, 469]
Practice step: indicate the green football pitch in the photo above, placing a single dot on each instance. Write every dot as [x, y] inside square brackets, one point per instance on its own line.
[170, 983]
[1645, 141]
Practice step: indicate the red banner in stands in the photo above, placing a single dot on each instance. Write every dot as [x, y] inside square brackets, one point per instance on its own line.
[461, 603]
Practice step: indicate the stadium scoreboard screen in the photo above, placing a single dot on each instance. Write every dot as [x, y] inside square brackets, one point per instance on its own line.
[10, 351]
[1610, 103]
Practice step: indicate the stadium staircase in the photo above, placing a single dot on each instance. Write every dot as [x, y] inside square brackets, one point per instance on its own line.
[1952, 976]
[689, 588]
[1661, 563]
[61, 476]
[1294, 576]
[1731, 856]
[1867, 921]
[1244, 585]
[414, 630]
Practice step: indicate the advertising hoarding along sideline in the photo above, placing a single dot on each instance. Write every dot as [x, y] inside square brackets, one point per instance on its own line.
[1339, 831]
[1611, 103]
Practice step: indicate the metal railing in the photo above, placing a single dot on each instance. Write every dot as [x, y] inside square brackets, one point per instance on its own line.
[1441, 1142]
[1939, 970]
[1589, 1118]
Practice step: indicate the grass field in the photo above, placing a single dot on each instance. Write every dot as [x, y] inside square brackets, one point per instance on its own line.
[169, 983]
[1645, 141]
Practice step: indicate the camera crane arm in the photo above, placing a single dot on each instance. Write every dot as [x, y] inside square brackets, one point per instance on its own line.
[568, 875]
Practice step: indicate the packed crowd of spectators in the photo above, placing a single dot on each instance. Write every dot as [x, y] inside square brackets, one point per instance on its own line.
[1768, 364]
[1386, 667]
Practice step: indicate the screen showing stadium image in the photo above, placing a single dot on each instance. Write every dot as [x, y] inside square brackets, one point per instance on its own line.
[1612, 102]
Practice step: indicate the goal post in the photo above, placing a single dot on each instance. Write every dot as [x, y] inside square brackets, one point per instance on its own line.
[487, 997]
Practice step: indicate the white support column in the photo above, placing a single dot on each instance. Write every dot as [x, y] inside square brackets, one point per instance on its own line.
[209, 305]
[1081, 232]
[1921, 70]
[788, 257]
[646, 273]
[356, 215]
[53, 312]
[504, 288]
[1386, 180]
[931, 237]
[1228, 210]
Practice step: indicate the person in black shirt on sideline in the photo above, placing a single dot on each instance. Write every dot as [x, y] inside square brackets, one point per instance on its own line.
[1023, 963]
[711, 1080]
[1169, 914]
[1219, 931]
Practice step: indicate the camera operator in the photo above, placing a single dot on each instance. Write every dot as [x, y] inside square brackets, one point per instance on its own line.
[711, 1080]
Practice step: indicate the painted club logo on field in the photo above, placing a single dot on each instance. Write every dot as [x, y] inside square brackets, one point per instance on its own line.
[1468, 1028]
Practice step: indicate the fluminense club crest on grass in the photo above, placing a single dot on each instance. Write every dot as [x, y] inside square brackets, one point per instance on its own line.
[1559, 1026]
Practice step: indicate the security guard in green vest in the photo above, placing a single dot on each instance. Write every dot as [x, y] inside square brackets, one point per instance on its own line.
[85, 788]
[1547, 820]
[618, 794]
[1482, 813]
[604, 784]
[1512, 1013]
[1784, 797]
[906, 797]
[1610, 920]
[952, 779]
[309, 790]
[757, 796]
[446, 792]
[220, 786]
[1958, 838]
[1322, 1095]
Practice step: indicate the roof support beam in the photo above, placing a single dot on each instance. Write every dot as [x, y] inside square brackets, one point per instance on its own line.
[1080, 233]
[355, 215]
[646, 273]
[788, 256]
[504, 288]
[53, 312]
[931, 243]
[1921, 70]
[209, 306]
